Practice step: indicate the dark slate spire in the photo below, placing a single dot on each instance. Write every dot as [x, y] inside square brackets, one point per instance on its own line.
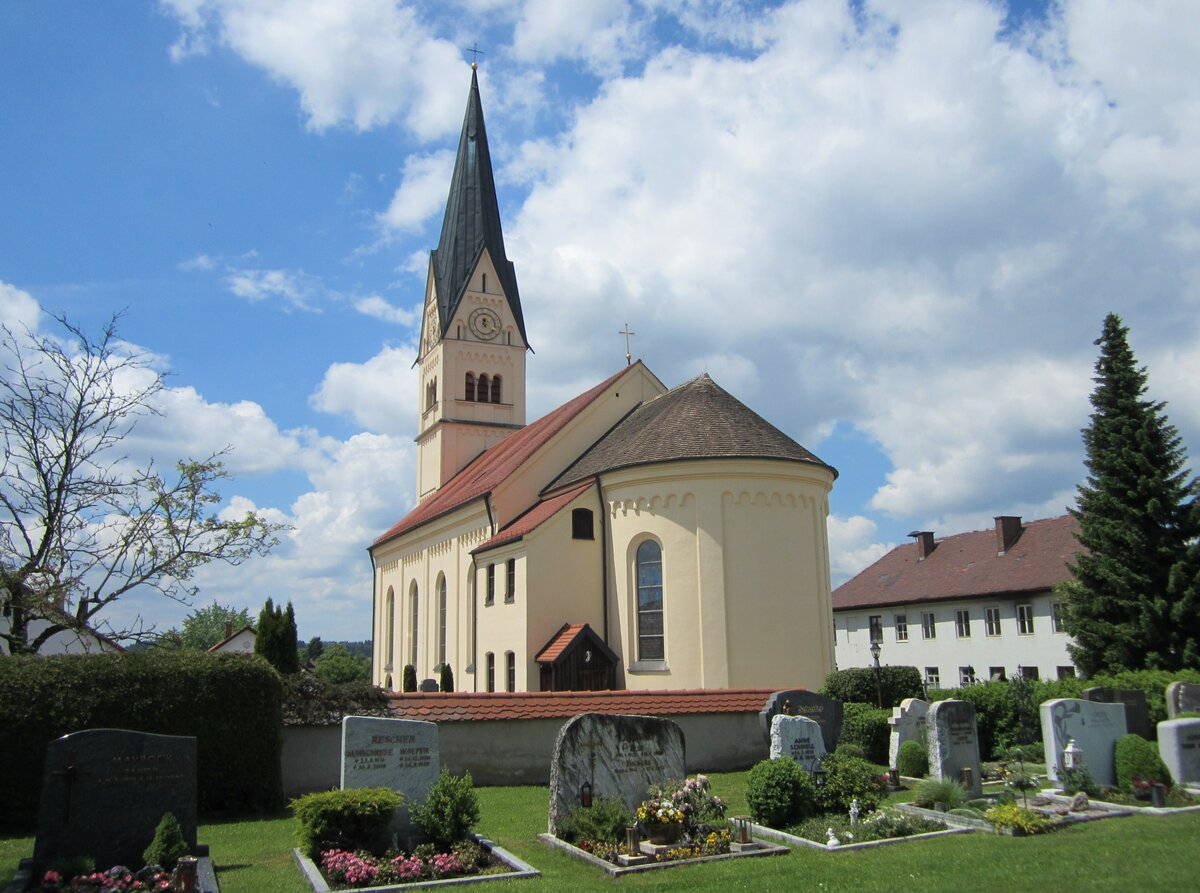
[472, 221]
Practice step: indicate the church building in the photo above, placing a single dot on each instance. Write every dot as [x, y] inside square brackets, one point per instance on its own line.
[636, 537]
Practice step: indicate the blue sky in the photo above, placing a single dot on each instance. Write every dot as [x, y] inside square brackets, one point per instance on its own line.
[893, 228]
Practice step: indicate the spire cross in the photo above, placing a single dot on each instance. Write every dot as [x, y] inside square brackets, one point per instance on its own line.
[475, 52]
[628, 353]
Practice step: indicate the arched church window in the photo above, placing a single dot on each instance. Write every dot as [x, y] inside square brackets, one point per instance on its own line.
[481, 388]
[413, 614]
[495, 388]
[441, 619]
[431, 394]
[491, 671]
[390, 613]
[470, 386]
[510, 671]
[650, 602]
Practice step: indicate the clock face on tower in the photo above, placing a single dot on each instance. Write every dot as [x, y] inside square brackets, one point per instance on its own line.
[484, 323]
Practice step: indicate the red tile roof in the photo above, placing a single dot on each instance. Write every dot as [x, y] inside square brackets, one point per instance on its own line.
[966, 565]
[560, 642]
[495, 464]
[472, 706]
[540, 513]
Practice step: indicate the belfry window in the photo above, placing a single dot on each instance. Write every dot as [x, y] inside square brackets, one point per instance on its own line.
[470, 386]
[495, 388]
[481, 388]
[650, 602]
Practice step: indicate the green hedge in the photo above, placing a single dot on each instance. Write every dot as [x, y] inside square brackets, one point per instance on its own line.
[229, 702]
[857, 684]
[867, 726]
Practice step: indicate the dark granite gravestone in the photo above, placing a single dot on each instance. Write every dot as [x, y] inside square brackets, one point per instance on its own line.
[614, 755]
[1137, 710]
[799, 702]
[104, 792]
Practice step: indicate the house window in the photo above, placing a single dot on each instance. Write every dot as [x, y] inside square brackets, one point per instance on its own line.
[481, 388]
[441, 619]
[510, 573]
[1025, 620]
[582, 527]
[1066, 672]
[901, 627]
[875, 622]
[470, 394]
[966, 676]
[991, 620]
[491, 671]
[1030, 673]
[510, 671]
[650, 602]
[413, 614]
[932, 678]
[928, 627]
[490, 598]
[962, 623]
[1056, 620]
[495, 388]
[997, 674]
[391, 628]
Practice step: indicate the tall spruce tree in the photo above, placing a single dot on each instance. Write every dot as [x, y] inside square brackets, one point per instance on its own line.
[1138, 522]
[275, 639]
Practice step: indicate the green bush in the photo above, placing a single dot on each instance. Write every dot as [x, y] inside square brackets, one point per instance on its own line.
[351, 819]
[780, 793]
[857, 685]
[605, 820]
[913, 759]
[946, 791]
[848, 779]
[410, 678]
[168, 844]
[851, 750]
[867, 728]
[1018, 818]
[229, 702]
[450, 811]
[309, 700]
[1077, 779]
[446, 682]
[1135, 756]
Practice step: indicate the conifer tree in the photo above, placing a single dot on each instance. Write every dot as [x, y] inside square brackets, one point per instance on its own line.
[1137, 522]
[275, 639]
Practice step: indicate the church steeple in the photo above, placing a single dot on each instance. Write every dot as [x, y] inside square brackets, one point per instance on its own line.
[472, 222]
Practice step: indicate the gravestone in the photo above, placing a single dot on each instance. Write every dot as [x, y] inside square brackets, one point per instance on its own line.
[1182, 697]
[1137, 710]
[104, 792]
[400, 754]
[615, 755]
[1095, 728]
[797, 702]
[954, 743]
[797, 737]
[908, 724]
[1179, 747]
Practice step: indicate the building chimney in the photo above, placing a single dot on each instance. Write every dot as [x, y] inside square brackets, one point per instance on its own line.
[1008, 531]
[925, 543]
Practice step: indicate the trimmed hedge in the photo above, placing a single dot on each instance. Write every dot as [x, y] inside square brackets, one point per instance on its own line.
[1135, 756]
[857, 684]
[867, 727]
[229, 702]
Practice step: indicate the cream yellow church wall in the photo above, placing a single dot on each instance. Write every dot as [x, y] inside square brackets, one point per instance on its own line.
[745, 572]
[503, 623]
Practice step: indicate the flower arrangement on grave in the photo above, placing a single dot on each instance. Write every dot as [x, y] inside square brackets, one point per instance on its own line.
[703, 811]
[661, 820]
[117, 878]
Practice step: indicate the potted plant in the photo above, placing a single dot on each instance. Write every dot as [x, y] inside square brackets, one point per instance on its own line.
[661, 821]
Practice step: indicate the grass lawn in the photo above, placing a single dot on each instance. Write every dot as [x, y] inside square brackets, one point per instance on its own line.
[1142, 853]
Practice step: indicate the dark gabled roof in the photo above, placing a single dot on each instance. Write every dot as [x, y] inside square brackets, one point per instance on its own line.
[697, 420]
[967, 565]
[569, 637]
[472, 222]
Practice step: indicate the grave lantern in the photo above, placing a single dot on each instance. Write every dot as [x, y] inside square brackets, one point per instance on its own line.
[1072, 755]
[741, 824]
[585, 795]
[631, 840]
[818, 776]
[968, 777]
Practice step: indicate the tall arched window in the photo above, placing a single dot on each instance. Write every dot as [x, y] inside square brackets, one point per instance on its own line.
[389, 657]
[470, 386]
[441, 619]
[491, 671]
[413, 615]
[495, 388]
[650, 602]
[510, 671]
[481, 390]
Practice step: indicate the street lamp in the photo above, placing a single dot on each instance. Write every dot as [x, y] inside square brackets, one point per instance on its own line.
[878, 686]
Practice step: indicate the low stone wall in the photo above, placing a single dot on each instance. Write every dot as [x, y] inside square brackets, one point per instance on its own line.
[518, 751]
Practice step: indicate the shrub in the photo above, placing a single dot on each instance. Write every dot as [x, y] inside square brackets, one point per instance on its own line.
[168, 843]
[1135, 756]
[779, 793]
[867, 728]
[857, 685]
[913, 759]
[450, 811]
[848, 779]
[1078, 779]
[605, 821]
[352, 819]
[851, 750]
[946, 791]
[410, 678]
[309, 700]
[1018, 818]
[446, 683]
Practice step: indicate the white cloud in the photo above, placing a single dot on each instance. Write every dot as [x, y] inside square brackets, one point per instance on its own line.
[297, 289]
[603, 33]
[380, 394]
[377, 307]
[422, 194]
[853, 545]
[18, 309]
[199, 262]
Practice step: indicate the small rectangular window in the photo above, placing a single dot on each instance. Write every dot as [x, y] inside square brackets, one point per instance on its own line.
[1056, 618]
[1066, 672]
[510, 573]
[875, 622]
[901, 627]
[1025, 620]
[966, 676]
[962, 623]
[928, 626]
[1030, 673]
[933, 678]
[992, 621]
[490, 598]
[582, 527]
[997, 674]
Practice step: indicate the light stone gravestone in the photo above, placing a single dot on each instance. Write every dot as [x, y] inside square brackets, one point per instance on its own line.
[1137, 710]
[827, 712]
[615, 755]
[954, 743]
[1179, 747]
[1094, 727]
[400, 754]
[908, 724]
[104, 792]
[1182, 697]
[799, 738]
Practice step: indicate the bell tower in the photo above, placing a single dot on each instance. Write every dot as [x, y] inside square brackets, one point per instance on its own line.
[473, 344]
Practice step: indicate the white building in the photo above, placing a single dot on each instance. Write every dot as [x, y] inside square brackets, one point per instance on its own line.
[976, 605]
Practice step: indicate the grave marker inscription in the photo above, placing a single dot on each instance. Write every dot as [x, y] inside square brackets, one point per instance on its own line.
[827, 712]
[1095, 727]
[799, 738]
[954, 743]
[400, 754]
[1137, 710]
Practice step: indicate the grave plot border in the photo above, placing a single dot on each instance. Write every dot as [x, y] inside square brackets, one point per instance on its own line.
[766, 849]
[520, 869]
[1132, 810]
[793, 841]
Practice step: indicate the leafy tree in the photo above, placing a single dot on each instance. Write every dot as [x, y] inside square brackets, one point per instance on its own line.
[80, 524]
[1133, 601]
[315, 648]
[276, 638]
[338, 666]
[205, 627]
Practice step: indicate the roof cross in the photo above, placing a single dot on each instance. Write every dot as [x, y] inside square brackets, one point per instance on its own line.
[628, 334]
[475, 52]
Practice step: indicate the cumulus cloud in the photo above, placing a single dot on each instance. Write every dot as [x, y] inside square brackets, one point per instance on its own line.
[603, 33]
[422, 194]
[853, 544]
[380, 394]
[377, 307]
[295, 288]
[18, 309]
